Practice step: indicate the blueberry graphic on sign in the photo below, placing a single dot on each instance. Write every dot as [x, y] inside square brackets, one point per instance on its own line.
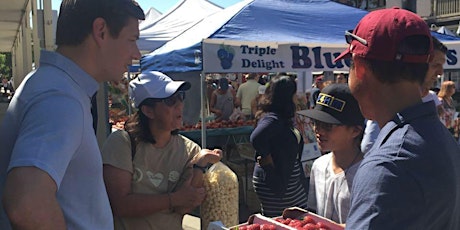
[225, 54]
[226, 64]
[222, 53]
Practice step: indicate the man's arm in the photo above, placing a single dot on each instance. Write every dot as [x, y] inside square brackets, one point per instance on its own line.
[30, 200]
[238, 96]
[440, 110]
[212, 104]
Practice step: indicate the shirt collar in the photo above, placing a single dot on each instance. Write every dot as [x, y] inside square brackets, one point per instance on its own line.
[402, 118]
[75, 72]
[414, 112]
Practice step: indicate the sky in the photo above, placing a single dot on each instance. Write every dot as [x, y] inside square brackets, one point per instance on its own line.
[161, 5]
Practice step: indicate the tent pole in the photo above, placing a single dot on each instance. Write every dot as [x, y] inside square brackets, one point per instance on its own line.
[203, 112]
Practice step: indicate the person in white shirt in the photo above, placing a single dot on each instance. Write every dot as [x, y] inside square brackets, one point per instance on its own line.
[338, 123]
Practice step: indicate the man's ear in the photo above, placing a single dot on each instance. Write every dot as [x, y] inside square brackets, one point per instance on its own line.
[360, 67]
[100, 30]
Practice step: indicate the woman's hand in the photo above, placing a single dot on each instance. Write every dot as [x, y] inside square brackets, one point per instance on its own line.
[207, 156]
[217, 112]
[187, 195]
[192, 192]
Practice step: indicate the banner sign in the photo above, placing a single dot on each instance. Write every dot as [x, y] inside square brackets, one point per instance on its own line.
[229, 56]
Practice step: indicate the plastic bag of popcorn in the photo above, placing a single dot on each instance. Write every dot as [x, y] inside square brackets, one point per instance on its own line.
[221, 202]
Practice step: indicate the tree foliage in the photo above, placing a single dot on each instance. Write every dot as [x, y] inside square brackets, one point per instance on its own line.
[5, 65]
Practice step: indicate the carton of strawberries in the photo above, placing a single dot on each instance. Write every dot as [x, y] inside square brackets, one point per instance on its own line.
[292, 219]
[302, 219]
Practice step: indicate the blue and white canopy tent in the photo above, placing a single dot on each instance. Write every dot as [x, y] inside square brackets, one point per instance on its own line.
[151, 16]
[157, 30]
[286, 35]
[287, 21]
[318, 22]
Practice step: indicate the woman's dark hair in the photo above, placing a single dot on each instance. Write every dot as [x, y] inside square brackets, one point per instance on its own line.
[137, 124]
[76, 17]
[278, 97]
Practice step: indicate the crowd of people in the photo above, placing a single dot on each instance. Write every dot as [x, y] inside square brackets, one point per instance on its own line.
[230, 100]
[403, 173]
[400, 166]
[6, 90]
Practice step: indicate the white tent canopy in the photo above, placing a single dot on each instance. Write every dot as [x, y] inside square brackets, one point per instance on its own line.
[154, 33]
[444, 30]
[151, 16]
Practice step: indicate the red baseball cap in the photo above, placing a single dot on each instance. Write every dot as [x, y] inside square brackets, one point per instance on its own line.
[379, 33]
[319, 79]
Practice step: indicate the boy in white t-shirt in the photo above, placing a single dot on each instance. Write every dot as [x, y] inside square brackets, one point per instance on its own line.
[338, 123]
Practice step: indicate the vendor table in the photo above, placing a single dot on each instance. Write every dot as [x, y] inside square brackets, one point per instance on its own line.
[196, 134]
[221, 137]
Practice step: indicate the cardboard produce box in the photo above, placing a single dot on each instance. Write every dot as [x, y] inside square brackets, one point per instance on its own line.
[300, 214]
[293, 213]
[256, 219]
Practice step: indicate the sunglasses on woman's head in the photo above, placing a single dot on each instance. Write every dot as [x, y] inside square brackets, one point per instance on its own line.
[173, 99]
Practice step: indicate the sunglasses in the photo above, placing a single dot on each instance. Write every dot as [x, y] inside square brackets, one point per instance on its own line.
[317, 125]
[173, 99]
[349, 37]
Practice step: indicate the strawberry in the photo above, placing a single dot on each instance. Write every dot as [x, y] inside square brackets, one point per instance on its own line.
[310, 226]
[267, 227]
[279, 219]
[287, 221]
[321, 225]
[254, 227]
[309, 219]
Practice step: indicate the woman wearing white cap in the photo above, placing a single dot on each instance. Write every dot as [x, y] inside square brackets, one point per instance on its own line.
[154, 175]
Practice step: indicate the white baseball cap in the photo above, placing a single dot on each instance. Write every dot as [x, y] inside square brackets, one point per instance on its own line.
[154, 84]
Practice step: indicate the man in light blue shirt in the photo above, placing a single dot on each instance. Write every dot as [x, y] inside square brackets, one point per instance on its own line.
[51, 167]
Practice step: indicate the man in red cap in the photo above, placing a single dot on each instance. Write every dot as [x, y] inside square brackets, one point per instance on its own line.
[410, 178]
[317, 87]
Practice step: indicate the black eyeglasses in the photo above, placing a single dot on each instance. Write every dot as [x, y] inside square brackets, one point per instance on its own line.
[349, 37]
[317, 125]
[173, 99]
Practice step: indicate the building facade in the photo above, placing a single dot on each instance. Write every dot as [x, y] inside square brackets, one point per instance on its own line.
[439, 15]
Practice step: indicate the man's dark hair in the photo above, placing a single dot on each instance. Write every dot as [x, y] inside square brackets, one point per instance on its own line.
[76, 18]
[395, 71]
[437, 45]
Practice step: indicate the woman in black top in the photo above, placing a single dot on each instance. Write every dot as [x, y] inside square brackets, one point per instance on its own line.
[278, 177]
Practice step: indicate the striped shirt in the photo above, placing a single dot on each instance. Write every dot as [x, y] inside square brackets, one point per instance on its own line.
[295, 195]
